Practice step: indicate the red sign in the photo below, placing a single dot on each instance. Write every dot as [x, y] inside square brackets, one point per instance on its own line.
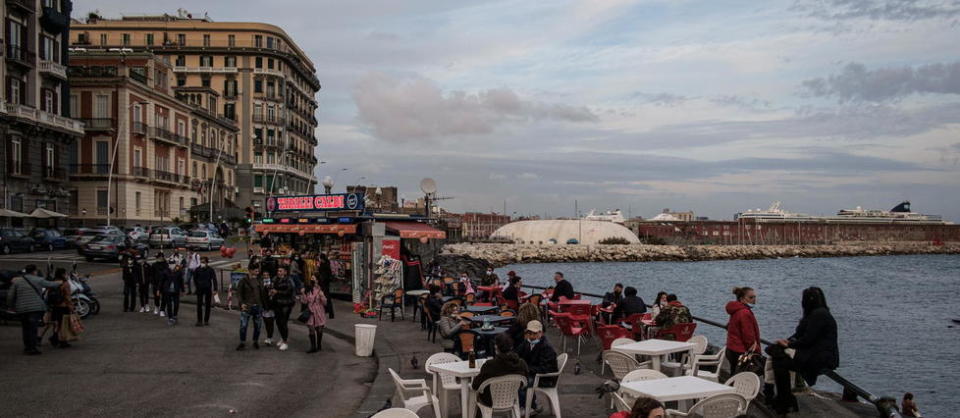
[391, 247]
[322, 202]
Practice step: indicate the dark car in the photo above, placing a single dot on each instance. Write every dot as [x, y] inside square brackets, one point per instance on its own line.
[110, 246]
[51, 239]
[12, 241]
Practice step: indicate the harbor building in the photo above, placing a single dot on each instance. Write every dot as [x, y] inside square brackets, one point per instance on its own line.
[255, 74]
[152, 150]
[35, 122]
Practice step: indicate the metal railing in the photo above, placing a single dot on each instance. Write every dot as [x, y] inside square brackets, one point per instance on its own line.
[886, 406]
[100, 169]
[99, 124]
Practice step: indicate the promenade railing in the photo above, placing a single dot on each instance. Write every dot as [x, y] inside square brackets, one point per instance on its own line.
[886, 406]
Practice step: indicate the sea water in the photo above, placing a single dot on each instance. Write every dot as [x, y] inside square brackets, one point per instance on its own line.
[894, 313]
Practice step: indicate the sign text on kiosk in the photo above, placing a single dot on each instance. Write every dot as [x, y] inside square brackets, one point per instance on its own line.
[320, 202]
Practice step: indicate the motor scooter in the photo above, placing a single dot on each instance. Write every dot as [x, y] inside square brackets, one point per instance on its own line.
[84, 300]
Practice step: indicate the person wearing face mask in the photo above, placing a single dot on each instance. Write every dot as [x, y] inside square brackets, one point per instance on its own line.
[467, 283]
[129, 285]
[205, 281]
[540, 357]
[743, 332]
[450, 325]
[490, 278]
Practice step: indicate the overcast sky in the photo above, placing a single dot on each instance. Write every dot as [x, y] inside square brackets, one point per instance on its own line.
[710, 106]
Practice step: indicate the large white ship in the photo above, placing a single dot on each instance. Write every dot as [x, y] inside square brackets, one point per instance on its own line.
[614, 216]
[899, 214]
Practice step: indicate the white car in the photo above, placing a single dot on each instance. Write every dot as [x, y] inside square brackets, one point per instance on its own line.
[137, 233]
[202, 239]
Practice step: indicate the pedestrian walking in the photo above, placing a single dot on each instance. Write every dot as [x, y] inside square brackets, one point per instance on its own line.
[157, 271]
[314, 299]
[269, 316]
[61, 306]
[250, 294]
[325, 276]
[206, 280]
[283, 302]
[193, 263]
[129, 285]
[25, 297]
[141, 270]
[172, 289]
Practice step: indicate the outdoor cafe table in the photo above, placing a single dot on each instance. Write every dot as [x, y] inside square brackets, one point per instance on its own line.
[681, 389]
[460, 369]
[480, 309]
[491, 318]
[654, 348]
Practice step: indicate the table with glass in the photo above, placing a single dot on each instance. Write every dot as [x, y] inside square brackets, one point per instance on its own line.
[654, 348]
[462, 371]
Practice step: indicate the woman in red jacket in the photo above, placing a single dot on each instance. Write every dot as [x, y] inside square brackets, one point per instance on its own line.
[743, 333]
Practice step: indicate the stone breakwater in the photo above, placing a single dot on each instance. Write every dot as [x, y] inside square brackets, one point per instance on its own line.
[503, 254]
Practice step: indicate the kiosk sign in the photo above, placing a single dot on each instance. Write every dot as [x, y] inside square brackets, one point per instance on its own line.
[315, 203]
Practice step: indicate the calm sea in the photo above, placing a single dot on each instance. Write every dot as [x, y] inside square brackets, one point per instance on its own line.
[894, 313]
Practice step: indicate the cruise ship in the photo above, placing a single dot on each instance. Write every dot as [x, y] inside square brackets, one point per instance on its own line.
[901, 214]
[614, 216]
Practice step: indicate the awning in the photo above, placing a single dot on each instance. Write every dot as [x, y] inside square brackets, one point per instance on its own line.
[45, 214]
[338, 229]
[415, 230]
[7, 213]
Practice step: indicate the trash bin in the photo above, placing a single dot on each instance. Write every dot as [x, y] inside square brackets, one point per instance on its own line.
[364, 335]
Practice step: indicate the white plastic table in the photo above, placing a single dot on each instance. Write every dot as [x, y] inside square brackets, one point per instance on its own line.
[681, 389]
[460, 370]
[654, 348]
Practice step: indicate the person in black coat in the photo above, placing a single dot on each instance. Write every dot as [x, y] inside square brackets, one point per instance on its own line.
[506, 362]
[205, 280]
[562, 288]
[630, 304]
[172, 286]
[157, 270]
[815, 342]
[142, 272]
[325, 276]
[129, 285]
[540, 357]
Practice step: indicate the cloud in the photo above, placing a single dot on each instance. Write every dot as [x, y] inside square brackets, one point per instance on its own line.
[497, 176]
[417, 109]
[857, 83]
[661, 99]
[904, 10]
[528, 176]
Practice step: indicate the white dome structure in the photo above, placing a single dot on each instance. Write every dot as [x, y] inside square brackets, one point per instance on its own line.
[562, 231]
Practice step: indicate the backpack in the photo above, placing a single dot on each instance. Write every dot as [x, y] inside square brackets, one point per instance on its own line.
[54, 297]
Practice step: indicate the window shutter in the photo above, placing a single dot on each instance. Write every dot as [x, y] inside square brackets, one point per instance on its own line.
[43, 47]
[56, 104]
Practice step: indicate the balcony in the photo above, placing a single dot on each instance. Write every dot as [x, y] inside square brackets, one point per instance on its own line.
[91, 169]
[260, 118]
[50, 120]
[141, 172]
[142, 78]
[168, 177]
[92, 72]
[54, 21]
[20, 55]
[54, 69]
[21, 169]
[199, 70]
[99, 124]
[54, 173]
[138, 128]
[167, 136]
[267, 71]
[161, 213]
[29, 6]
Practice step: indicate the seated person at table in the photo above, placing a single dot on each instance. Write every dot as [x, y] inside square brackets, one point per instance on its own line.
[467, 283]
[673, 313]
[435, 302]
[450, 325]
[490, 278]
[631, 304]
[563, 288]
[504, 363]
[527, 312]
[540, 357]
[614, 297]
[643, 408]
[512, 292]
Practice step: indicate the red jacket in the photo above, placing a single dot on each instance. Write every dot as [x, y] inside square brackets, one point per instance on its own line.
[742, 330]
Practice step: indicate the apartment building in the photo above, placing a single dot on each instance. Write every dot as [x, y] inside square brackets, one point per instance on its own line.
[152, 150]
[264, 81]
[35, 123]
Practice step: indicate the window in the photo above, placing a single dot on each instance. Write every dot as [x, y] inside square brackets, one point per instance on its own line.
[230, 111]
[51, 4]
[181, 204]
[230, 61]
[258, 62]
[203, 169]
[257, 181]
[49, 101]
[136, 113]
[271, 113]
[49, 49]
[270, 63]
[194, 170]
[126, 39]
[258, 134]
[258, 86]
[206, 40]
[136, 202]
[181, 61]
[137, 157]
[231, 40]
[271, 158]
[103, 39]
[270, 89]
[205, 81]
[148, 39]
[181, 166]
[49, 160]
[269, 42]
[206, 61]
[74, 103]
[181, 81]
[101, 201]
[181, 39]
[258, 41]
[181, 129]
[15, 86]
[101, 106]
[103, 152]
[16, 156]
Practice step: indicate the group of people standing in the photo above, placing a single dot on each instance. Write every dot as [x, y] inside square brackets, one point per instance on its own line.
[165, 281]
[270, 291]
[33, 297]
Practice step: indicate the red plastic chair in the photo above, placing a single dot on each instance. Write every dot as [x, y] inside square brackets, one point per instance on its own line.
[677, 332]
[512, 304]
[571, 328]
[608, 333]
[634, 322]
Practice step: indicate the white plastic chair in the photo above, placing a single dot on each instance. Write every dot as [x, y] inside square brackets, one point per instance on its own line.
[724, 405]
[637, 375]
[699, 347]
[620, 404]
[614, 343]
[707, 360]
[550, 392]
[503, 395]
[414, 403]
[747, 385]
[395, 413]
[620, 363]
[442, 384]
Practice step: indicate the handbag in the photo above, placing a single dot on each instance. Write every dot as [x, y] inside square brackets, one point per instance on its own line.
[65, 333]
[304, 316]
[216, 299]
[751, 361]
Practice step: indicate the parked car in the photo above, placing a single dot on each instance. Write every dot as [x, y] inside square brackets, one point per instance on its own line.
[137, 233]
[111, 246]
[70, 235]
[168, 236]
[12, 241]
[207, 240]
[51, 239]
[86, 234]
[109, 229]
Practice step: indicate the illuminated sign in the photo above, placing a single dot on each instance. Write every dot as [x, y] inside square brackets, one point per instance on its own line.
[315, 203]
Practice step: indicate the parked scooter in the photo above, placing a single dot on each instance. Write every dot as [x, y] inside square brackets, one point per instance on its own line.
[84, 300]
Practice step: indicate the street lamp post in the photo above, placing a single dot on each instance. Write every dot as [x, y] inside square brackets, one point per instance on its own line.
[212, 182]
[113, 157]
[276, 170]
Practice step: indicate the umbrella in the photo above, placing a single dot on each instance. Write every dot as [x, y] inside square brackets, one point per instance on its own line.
[7, 213]
[44, 213]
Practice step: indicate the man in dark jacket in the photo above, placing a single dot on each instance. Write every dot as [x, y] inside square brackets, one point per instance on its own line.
[504, 363]
[157, 270]
[129, 285]
[815, 342]
[205, 280]
[630, 304]
[540, 357]
[562, 288]
[614, 297]
[250, 293]
[143, 273]
[172, 287]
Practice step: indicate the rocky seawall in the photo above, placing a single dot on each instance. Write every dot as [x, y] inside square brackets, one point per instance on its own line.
[503, 254]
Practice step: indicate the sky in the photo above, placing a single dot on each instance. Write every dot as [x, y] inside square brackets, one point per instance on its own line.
[709, 106]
